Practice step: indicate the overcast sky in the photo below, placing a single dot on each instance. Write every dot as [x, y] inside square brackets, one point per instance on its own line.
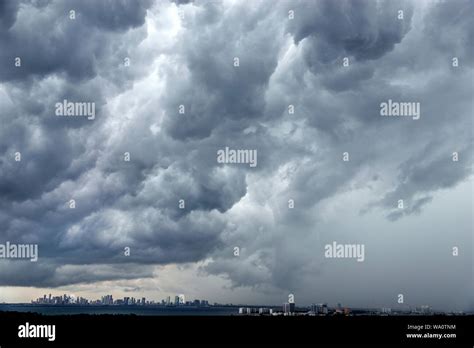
[290, 53]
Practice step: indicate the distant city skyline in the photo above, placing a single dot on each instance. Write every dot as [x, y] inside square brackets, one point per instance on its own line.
[176, 300]
[65, 299]
[287, 309]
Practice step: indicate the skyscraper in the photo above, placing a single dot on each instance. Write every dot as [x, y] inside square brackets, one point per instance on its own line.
[288, 308]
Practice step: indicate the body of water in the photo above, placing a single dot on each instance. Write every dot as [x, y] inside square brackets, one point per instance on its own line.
[124, 310]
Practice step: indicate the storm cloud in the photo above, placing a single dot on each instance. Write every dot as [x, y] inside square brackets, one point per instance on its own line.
[173, 82]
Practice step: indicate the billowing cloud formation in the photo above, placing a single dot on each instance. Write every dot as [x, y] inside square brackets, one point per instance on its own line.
[174, 82]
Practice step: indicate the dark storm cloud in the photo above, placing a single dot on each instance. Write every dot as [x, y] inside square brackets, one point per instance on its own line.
[351, 121]
[54, 49]
[117, 15]
[364, 30]
[8, 10]
[456, 22]
[48, 41]
[50, 275]
[218, 94]
[180, 2]
[427, 173]
[173, 156]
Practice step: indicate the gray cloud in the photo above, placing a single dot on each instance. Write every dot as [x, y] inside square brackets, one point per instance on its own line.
[190, 62]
